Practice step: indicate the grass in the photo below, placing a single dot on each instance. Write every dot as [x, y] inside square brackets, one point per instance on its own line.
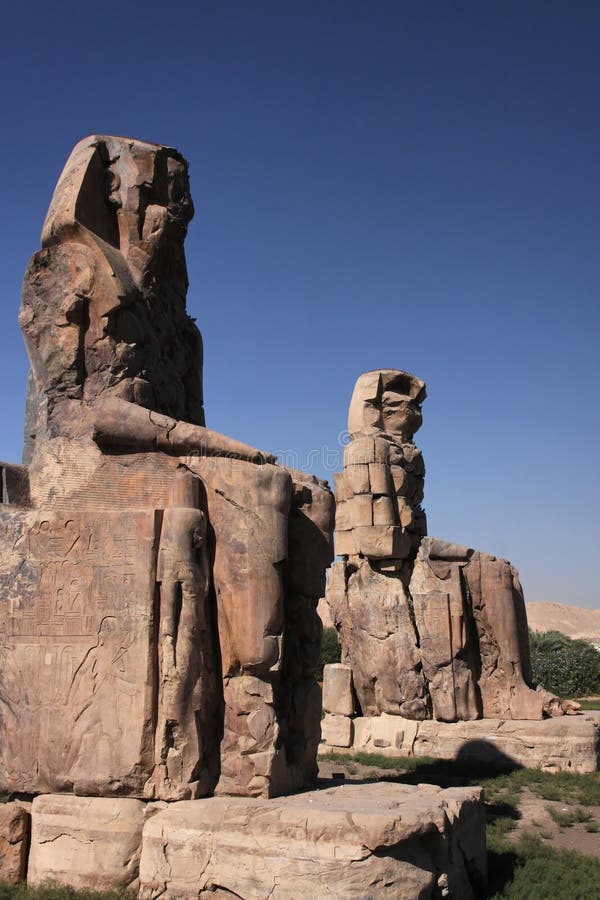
[51, 891]
[528, 869]
[590, 704]
[568, 817]
[394, 763]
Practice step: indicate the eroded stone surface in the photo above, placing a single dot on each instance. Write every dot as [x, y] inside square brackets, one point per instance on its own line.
[337, 689]
[337, 730]
[565, 744]
[76, 601]
[91, 843]
[158, 580]
[364, 841]
[14, 842]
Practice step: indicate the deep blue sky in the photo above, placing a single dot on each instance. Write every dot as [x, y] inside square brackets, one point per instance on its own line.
[377, 184]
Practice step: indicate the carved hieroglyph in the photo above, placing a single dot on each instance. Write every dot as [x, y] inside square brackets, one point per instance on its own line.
[76, 697]
[159, 579]
[430, 629]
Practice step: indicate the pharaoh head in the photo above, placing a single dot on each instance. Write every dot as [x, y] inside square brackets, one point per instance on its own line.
[103, 311]
[388, 401]
[125, 192]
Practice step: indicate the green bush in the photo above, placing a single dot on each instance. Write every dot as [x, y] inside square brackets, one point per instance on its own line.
[331, 652]
[566, 667]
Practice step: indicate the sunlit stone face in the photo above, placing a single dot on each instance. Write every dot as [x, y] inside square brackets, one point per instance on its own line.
[400, 415]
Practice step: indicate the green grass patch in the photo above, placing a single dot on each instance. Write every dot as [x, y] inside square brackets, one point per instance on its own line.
[528, 869]
[398, 764]
[568, 817]
[590, 704]
[52, 891]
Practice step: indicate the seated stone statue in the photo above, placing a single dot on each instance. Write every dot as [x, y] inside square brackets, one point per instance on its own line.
[429, 628]
[158, 580]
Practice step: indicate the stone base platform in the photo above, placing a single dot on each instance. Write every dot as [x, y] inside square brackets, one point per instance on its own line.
[89, 843]
[567, 744]
[361, 841]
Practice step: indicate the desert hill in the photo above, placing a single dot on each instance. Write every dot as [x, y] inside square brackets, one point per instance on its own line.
[573, 621]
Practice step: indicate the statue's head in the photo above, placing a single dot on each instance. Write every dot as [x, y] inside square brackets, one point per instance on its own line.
[389, 401]
[128, 193]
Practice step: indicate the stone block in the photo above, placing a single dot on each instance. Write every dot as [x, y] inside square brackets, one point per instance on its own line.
[393, 735]
[565, 744]
[357, 478]
[77, 603]
[337, 689]
[351, 841]
[383, 511]
[345, 543]
[89, 843]
[359, 452]
[383, 542]
[14, 842]
[362, 732]
[343, 515]
[361, 510]
[379, 476]
[340, 488]
[387, 732]
[337, 731]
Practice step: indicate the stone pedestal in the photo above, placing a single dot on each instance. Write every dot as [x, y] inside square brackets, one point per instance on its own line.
[353, 841]
[88, 843]
[565, 744]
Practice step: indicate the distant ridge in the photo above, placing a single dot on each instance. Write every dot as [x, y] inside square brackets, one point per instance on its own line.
[570, 620]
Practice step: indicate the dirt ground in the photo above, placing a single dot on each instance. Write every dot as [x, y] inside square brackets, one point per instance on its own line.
[536, 818]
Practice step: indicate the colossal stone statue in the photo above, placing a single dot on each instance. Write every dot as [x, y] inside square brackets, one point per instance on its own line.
[430, 629]
[150, 568]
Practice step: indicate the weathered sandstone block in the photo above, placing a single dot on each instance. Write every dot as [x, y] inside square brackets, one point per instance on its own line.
[363, 841]
[76, 600]
[337, 731]
[84, 842]
[337, 689]
[373, 614]
[564, 744]
[14, 842]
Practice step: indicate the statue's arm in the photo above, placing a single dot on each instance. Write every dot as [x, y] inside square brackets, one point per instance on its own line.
[117, 422]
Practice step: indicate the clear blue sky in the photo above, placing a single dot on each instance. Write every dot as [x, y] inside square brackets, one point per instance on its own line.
[377, 184]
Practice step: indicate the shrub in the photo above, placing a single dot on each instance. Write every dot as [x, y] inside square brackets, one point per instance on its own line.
[331, 652]
[566, 667]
